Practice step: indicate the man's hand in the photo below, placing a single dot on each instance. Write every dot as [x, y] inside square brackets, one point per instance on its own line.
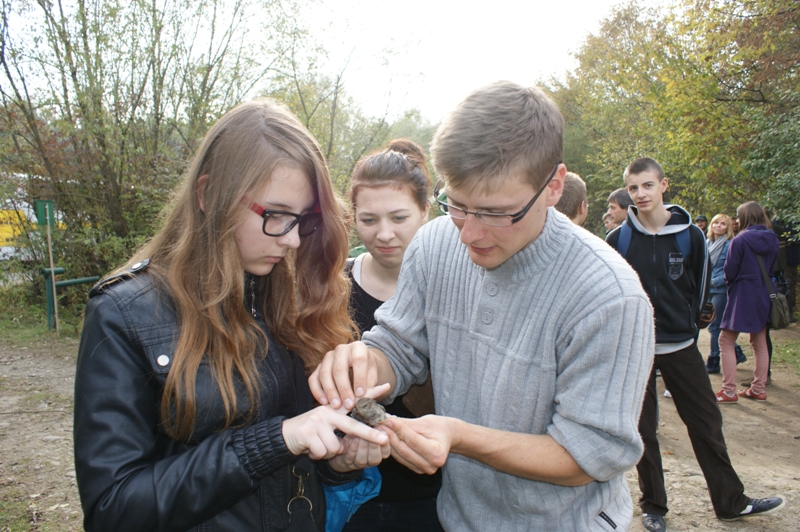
[422, 444]
[330, 383]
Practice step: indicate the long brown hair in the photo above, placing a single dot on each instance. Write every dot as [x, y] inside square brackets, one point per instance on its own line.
[751, 213]
[196, 261]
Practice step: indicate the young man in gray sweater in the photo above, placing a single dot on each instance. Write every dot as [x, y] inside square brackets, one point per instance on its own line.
[538, 336]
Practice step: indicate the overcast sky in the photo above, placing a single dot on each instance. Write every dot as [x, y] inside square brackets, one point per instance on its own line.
[429, 54]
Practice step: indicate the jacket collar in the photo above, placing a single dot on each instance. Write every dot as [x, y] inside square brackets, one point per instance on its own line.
[678, 221]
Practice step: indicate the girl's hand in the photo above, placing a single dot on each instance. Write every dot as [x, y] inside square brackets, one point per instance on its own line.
[312, 433]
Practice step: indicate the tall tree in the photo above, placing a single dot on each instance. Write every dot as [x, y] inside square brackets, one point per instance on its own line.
[104, 100]
[755, 46]
[696, 86]
[321, 102]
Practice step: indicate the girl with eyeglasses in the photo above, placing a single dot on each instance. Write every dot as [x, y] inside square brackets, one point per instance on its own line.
[389, 194]
[192, 407]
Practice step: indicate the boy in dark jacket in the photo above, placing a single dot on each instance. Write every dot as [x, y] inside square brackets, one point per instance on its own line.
[656, 243]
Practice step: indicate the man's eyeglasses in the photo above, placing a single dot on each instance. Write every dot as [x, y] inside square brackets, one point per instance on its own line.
[488, 218]
[278, 223]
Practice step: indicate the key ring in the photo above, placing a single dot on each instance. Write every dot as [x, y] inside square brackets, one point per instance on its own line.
[301, 489]
[301, 477]
[289, 506]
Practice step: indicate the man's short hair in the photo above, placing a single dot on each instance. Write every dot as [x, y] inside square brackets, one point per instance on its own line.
[607, 216]
[574, 194]
[496, 132]
[621, 198]
[644, 164]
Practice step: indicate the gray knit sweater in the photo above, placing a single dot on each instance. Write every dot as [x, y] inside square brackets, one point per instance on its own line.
[557, 340]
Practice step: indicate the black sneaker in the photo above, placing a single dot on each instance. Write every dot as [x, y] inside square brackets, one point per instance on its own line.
[740, 356]
[712, 365]
[759, 507]
[654, 523]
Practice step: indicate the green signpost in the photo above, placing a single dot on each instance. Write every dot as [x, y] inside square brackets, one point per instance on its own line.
[41, 209]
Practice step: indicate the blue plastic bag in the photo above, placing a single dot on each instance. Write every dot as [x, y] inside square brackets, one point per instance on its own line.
[343, 501]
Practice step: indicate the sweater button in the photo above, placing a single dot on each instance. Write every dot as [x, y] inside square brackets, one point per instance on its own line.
[491, 289]
[486, 318]
[162, 360]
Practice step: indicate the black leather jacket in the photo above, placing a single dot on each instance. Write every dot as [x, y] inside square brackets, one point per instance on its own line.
[133, 477]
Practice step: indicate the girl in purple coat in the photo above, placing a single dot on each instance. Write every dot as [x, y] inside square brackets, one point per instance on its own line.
[748, 300]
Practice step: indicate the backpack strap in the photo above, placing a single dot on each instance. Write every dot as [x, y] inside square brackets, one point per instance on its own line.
[624, 240]
[684, 241]
[682, 238]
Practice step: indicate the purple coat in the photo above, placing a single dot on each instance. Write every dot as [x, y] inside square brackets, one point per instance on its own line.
[748, 297]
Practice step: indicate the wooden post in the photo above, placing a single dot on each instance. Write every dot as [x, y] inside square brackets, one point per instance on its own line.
[52, 268]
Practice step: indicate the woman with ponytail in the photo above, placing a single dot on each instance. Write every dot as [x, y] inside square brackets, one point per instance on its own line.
[389, 195]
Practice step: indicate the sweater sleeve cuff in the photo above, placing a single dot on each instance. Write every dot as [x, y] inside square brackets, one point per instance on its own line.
[261, 447]
[333, 478]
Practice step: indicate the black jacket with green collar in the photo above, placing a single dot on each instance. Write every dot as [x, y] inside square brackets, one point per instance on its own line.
[677, 285]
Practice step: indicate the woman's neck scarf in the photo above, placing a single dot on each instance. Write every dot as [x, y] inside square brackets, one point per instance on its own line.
[715, 248]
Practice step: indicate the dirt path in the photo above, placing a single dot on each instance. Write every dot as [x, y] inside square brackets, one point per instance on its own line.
[37, 474]
[763, 443]
[37, 477]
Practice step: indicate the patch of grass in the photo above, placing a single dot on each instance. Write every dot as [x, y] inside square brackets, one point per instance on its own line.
[5, 384]
[787, 352]
[23, 315]
[31, 331]
[22, 331]
[34, 400]
[14, 511]
[75, 520]
[19, 512]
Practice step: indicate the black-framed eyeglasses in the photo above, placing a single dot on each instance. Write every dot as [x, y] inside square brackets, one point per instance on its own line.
[488, 218]
[278, 223]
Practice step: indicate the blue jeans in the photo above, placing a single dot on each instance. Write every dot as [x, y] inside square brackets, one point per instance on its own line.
[416, 516]
[719, 301]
